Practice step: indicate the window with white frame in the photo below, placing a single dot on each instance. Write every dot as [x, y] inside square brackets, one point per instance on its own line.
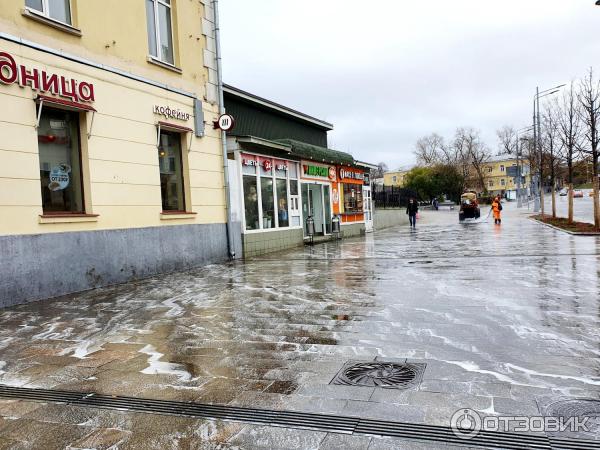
[160, 32]
[270, 193]
[501, 168]
[59, 10]
[502, 182]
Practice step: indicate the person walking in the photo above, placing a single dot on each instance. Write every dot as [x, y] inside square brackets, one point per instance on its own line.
[497, 208]
[412, 209]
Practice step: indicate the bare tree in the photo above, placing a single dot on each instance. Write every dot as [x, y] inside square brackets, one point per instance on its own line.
[430, 149]
[569, 128]
[472, 152]
[381, 169]
[507, 140]
[589, 99]
[551, 148]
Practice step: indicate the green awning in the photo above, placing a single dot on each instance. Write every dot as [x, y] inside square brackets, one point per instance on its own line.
[316, 153]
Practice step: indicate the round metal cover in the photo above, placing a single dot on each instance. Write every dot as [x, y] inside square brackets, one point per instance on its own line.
[379, 374]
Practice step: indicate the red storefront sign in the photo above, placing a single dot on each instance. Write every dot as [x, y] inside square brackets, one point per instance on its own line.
[11, 73]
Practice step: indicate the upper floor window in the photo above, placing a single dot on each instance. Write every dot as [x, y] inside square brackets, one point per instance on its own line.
[160, 33]
[501, 168]
[55, 9]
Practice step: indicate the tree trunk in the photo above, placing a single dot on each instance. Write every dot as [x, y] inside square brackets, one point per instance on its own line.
[570, 194]
[553, 201]
[542, 197]
[596, 205]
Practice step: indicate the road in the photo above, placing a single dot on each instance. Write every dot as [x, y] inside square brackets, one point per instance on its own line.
[506, 319]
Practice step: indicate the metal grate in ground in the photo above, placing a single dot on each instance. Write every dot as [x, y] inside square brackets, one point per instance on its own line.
[290, 419]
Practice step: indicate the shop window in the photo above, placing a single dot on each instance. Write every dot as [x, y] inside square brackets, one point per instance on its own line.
[54, 9]
[60, 162]
[294, 203]
[160, 33]
[353, 202]
[268, 203]
[171, 172]
[282, 203]
[267, 183]
[251, 202]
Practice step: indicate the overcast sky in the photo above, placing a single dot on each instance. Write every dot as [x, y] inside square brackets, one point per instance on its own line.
[386, 72]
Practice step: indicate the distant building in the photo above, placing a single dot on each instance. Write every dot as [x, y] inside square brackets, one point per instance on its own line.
[500, 175]
[396, 178]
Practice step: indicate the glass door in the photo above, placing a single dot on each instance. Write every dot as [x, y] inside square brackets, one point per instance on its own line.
[327, 209]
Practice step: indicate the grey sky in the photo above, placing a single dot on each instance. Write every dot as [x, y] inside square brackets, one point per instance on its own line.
[386, 72]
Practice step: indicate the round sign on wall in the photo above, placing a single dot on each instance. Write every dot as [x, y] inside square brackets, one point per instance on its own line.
[226, 122]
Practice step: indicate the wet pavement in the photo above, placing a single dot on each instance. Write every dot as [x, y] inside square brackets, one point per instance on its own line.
[506, 319]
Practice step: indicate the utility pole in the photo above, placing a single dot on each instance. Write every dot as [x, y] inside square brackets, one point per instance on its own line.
[539, 148]
[536, 204]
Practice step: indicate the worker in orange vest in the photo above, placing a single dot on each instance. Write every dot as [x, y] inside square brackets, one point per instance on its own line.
[497, 208]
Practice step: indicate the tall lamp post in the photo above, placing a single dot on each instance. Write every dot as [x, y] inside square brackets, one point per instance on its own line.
[537, 139]
[519, 163]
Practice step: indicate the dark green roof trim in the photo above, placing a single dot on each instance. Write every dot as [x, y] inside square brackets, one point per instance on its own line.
[316, 153]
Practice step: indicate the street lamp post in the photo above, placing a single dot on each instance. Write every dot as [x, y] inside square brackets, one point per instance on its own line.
[537, 138]
[519, 164]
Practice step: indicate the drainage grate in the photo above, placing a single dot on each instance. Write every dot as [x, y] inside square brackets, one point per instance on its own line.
[574, 407]
[290, 419]
[388, 375]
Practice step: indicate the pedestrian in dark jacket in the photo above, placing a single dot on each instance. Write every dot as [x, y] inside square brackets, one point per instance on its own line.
[412, 209]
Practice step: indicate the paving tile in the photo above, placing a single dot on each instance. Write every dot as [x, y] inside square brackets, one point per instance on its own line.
[273, 438]
[335, 441]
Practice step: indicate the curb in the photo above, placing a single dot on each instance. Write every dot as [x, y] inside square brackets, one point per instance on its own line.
[574, 233]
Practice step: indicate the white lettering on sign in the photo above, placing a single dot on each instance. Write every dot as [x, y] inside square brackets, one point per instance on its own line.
[249, 162]
[348, 174]
[170, 113]
[11, 73]
[281, 167]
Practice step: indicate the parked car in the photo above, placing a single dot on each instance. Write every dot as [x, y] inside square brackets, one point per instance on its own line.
[563, 192]
[577, 193]
[469, 207]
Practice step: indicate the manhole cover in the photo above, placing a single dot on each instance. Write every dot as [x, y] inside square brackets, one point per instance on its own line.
[381, 374]
[577, 407]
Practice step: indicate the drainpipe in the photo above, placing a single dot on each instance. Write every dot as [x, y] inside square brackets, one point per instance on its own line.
[230, 245]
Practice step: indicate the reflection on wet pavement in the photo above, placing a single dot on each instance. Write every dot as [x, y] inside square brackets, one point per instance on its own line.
[502, 317]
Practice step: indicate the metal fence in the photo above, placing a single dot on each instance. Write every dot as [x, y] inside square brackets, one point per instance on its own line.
[391, 197]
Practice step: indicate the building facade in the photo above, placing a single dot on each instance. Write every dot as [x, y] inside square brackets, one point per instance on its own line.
[500, 176]
[395, 178]
[107, 170]
[282, 173]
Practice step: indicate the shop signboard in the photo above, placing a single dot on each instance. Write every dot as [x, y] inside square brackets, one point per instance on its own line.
[42, 81]
[351, 175]
[313, 170]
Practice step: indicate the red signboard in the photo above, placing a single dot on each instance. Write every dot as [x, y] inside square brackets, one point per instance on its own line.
[42, 81]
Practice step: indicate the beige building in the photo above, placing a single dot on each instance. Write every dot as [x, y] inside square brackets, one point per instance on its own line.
[500, 175]
[395, 178]
[110, 168]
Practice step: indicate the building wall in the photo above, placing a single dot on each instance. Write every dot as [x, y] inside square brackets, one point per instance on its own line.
[352, 229]
[395, 179]
[496, 171]
[124, 182]
[256, 244]
[387, 218]
[41, 266]
[120, 158]
[253, 120]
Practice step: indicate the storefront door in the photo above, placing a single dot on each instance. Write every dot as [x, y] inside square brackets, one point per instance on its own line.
[368, 208]
[316, 203]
